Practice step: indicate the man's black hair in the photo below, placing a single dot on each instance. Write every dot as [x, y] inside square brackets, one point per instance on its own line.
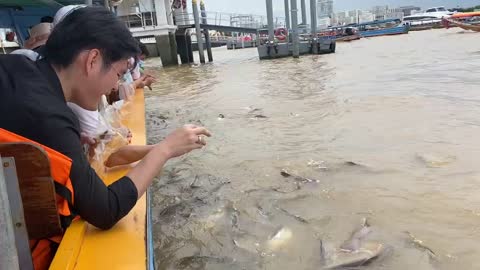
[144, 49]
[90, 28]
[46, 19]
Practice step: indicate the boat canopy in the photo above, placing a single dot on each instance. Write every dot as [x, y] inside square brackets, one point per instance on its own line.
[465, 15]
[39, 3]
[419, 17]
[378, 22]
[436, 9]
[21, 15]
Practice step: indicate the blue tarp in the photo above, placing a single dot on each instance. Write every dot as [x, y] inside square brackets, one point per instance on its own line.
[377, 22]
[22, 19]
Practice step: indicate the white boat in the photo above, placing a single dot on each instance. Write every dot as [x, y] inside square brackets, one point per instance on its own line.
[431, 18]
[431, 13]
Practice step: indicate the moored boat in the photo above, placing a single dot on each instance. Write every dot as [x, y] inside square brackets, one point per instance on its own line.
[382, 28]
[348, 38]
[466, 21]
[419, 23]
[438, 12]
[429, 19]
[341, 34]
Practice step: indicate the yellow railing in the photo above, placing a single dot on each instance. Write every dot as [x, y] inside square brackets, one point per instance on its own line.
[122, 247]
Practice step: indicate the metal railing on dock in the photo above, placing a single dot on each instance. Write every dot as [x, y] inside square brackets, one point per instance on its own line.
[229, 19]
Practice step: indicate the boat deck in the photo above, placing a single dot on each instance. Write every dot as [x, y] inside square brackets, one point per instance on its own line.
[122, 247]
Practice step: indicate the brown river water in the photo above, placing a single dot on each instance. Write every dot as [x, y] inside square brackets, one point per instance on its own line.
[388, 129]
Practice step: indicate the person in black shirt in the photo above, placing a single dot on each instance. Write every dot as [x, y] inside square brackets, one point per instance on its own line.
[85, 56]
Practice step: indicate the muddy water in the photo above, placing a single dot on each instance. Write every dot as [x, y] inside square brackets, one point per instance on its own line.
[387, 128]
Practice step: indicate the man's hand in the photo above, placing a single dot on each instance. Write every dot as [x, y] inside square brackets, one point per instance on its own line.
[179, 142]
[184, 140]
[91, 142]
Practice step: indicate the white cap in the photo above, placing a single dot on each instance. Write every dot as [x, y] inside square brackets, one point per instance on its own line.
[64, 12]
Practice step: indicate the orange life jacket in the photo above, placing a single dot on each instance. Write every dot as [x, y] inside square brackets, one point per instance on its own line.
[43, 250]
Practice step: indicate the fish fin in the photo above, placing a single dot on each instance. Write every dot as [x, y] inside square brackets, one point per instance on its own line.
[322, 254]
[284, 173]
[366, 222]
[351, 245]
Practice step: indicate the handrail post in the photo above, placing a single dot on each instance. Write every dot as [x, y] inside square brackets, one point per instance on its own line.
[17, 250]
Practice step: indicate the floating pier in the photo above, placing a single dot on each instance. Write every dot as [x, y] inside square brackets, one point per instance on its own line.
[293, 46]
[234, 44]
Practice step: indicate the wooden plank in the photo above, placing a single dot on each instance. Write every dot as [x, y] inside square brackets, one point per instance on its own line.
[36, 188]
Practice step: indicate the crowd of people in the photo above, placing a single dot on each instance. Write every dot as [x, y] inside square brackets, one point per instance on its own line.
[103, 136]
[64, 90]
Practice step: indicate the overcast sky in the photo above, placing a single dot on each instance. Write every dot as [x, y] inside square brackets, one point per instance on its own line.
[258, 6]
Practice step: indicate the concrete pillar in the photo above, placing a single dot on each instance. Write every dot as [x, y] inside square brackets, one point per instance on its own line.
[168, 12]
[182, 48]
[166, 43]
[161, 12]
[295, 40]
[205, 32]
[188, 38]
[313, 20]
[287, 15]
[164, 47]
[173, 47]
[179, 16]
[304, 12]
[313, 15]
[198, 31]
[271, 34]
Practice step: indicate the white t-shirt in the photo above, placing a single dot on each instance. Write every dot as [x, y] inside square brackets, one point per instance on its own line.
[89, 121]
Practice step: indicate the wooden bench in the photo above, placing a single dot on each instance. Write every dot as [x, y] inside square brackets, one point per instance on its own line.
[28, 208]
